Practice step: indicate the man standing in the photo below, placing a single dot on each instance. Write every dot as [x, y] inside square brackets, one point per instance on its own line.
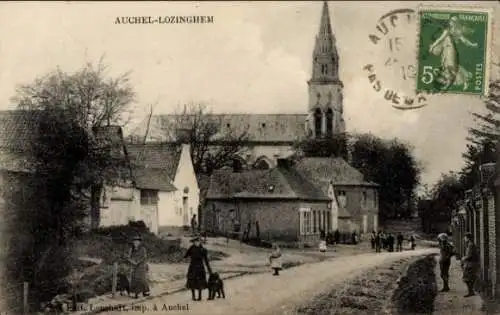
[194, 223]
[400, 238]
[470, 264]
[447, 250]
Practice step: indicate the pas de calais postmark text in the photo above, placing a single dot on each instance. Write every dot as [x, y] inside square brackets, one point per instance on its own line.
[453, 52]
[391, 42]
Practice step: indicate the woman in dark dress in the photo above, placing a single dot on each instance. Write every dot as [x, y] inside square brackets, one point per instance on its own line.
[139, 268]
[196, 276]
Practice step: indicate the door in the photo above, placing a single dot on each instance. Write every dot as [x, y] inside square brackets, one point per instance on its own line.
[365, 223]
[185, 215]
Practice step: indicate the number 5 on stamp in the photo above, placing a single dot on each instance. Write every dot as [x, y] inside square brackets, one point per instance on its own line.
[453, 51]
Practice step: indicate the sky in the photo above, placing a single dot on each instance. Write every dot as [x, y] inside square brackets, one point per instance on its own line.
[256, 57]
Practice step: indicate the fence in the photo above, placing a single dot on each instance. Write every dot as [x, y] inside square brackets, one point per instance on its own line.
[12, 292]
[479, 214]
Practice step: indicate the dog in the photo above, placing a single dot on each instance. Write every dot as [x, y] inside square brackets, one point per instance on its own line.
[215, 285]
[122, 284]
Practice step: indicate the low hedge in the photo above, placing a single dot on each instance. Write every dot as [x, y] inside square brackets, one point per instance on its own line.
[417, 289]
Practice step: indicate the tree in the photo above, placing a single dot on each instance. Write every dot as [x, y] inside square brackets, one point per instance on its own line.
[71, 158]
[335, 145]
[92, 100]
[213, 145]
[392, 165]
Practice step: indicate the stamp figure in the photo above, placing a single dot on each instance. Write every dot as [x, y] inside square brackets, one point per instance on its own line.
[453, 51]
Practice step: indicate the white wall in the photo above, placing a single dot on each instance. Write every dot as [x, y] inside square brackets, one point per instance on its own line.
[120, 206]
[186, 178]
[167, 213]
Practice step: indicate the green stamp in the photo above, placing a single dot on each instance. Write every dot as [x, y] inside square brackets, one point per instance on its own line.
[453, 52]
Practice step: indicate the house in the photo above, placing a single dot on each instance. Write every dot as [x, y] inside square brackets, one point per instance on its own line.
[276, 204]
[172, 163]
[354, 199]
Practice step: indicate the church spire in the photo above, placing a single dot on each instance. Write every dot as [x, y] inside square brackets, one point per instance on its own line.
[325, 68]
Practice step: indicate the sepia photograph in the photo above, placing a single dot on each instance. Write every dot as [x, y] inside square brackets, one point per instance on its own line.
[246, 157]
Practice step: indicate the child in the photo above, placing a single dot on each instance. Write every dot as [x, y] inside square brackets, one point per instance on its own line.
[275, 260]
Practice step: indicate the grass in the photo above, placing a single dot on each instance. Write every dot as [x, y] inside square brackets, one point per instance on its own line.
[111, 245]
[417, 290]
[365, 295]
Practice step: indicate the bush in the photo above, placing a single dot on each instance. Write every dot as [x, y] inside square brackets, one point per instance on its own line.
[417, 289]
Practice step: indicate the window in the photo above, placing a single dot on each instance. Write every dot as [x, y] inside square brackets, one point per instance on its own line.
[318, 117]
[149, 197]
[228, 125]
[314, 218]
[375, 199]
[342, 198]
[305, 221]
[263, 125]
[364, 199]
[329, 122]
[324, 69]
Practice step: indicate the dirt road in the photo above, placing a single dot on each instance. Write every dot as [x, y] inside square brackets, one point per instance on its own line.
[264, 294]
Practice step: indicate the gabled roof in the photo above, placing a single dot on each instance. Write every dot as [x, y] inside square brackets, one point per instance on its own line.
[333, 169]
[17, 129]
[156, 156]
[16, 134]
[259, 127]
[153, 178]
[276, 183]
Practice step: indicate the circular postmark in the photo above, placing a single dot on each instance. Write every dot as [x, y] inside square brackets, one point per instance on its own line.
[393, 70]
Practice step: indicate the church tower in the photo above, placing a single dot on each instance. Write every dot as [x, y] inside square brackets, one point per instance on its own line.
[325, 112]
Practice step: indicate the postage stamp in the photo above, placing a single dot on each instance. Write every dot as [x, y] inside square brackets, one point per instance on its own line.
[453, 50]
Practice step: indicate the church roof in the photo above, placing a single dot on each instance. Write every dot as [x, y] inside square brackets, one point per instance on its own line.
[331, 169]
[276, 183]
[259, 127]
[157, 156]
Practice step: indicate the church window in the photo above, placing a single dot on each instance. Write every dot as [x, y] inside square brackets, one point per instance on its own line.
[329, 122]
[263, 125]
[228, 125]
[324, 69]
[318, 117]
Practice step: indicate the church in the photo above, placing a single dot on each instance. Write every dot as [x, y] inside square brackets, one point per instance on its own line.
[272, 136]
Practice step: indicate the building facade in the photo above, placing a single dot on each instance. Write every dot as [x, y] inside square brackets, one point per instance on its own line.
[272, 136]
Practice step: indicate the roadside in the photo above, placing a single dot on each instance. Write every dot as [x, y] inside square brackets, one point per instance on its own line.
[264, 294]
[453, 302]
[365, 295]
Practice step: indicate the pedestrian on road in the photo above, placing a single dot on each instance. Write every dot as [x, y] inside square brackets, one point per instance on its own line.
[447, 250]
[399, 239]
[378, 242]
[470, 264]
[413, 243]
[275, 260]
[373, 239]
[196, 275]
[137, 257]
[194, 224]
[390, 242]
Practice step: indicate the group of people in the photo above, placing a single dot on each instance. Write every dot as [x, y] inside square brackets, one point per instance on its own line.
[385, 241]
[470, 263]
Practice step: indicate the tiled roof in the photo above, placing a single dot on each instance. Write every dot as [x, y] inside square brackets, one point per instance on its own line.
[276, 183]
[332, 169]
[259, 127]
[158, 156]
[17, 129]
[153, 178]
